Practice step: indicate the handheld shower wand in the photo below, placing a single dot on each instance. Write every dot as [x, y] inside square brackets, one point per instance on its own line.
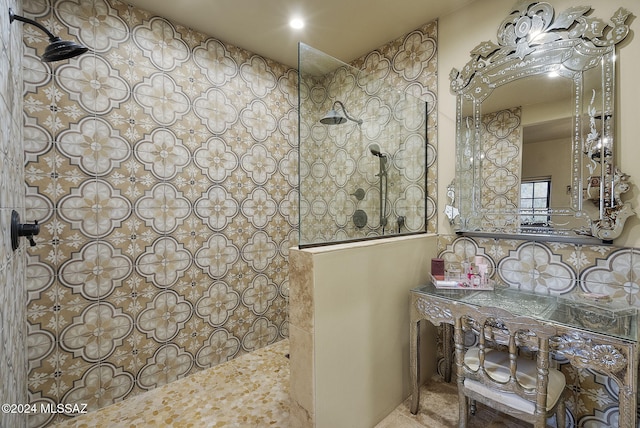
[382, 174]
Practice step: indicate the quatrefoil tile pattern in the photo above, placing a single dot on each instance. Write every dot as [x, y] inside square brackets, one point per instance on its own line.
[502, 143]
[336, 160]
[163, 167]
[560, 268]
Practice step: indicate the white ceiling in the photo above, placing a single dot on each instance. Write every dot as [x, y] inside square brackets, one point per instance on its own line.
[344, 29]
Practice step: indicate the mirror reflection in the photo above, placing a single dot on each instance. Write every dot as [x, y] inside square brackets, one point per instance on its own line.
[535, 124]
[526, 147]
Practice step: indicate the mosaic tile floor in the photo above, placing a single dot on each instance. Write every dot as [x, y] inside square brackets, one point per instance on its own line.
[253, 391]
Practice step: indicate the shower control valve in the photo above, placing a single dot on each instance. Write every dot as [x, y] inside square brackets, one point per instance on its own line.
[22, 229]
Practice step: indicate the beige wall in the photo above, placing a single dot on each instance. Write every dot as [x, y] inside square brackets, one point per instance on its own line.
[349, 329]
[542, 159]
[463, 30]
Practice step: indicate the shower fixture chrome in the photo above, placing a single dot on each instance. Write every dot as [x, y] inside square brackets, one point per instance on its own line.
[58, 49]
[333, 117]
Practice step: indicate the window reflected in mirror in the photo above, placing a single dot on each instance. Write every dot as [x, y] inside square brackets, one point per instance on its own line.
[534, 201]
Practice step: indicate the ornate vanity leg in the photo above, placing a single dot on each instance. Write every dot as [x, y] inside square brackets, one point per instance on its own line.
[447, 349]
[561, 413]
[414, 356]
[625, 417]
[617, 359]
[627, 395]
[463, 400]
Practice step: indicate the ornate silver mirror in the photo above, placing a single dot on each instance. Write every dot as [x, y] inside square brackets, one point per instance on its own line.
[535, 121]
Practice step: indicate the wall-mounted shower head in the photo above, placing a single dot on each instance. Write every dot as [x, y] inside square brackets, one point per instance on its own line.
[333, 117]
[58, 49]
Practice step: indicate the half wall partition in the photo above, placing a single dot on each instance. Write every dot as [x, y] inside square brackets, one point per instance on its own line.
[363, 167]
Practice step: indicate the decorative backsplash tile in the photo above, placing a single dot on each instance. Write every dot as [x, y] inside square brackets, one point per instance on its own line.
[560, 268]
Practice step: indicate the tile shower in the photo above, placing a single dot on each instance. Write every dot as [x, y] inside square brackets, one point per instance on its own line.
[166, 223]
[381, 153]
[163, 169]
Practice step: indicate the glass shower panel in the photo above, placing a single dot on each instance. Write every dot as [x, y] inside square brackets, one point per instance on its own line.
[363, 167]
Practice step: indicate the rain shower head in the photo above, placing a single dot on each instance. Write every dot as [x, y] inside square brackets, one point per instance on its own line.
[58, 49]
[333, 117]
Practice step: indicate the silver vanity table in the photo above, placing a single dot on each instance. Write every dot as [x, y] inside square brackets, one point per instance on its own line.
[593, 335]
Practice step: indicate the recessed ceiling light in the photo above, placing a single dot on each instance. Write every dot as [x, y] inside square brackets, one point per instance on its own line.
[296, 23]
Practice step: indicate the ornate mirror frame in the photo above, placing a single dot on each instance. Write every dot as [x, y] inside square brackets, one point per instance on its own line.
[532, 41]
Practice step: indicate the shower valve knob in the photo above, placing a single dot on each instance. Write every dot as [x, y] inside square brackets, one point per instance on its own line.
[22, 229]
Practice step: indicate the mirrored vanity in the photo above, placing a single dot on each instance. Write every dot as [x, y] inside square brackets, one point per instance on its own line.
[535, 125]
[537, 162]
[593, 335]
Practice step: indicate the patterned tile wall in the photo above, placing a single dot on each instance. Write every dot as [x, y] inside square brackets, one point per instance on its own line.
[335, 161]
[163, 168]
[501, 156]
[13, 304]
[559, 268]
[410, 63]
